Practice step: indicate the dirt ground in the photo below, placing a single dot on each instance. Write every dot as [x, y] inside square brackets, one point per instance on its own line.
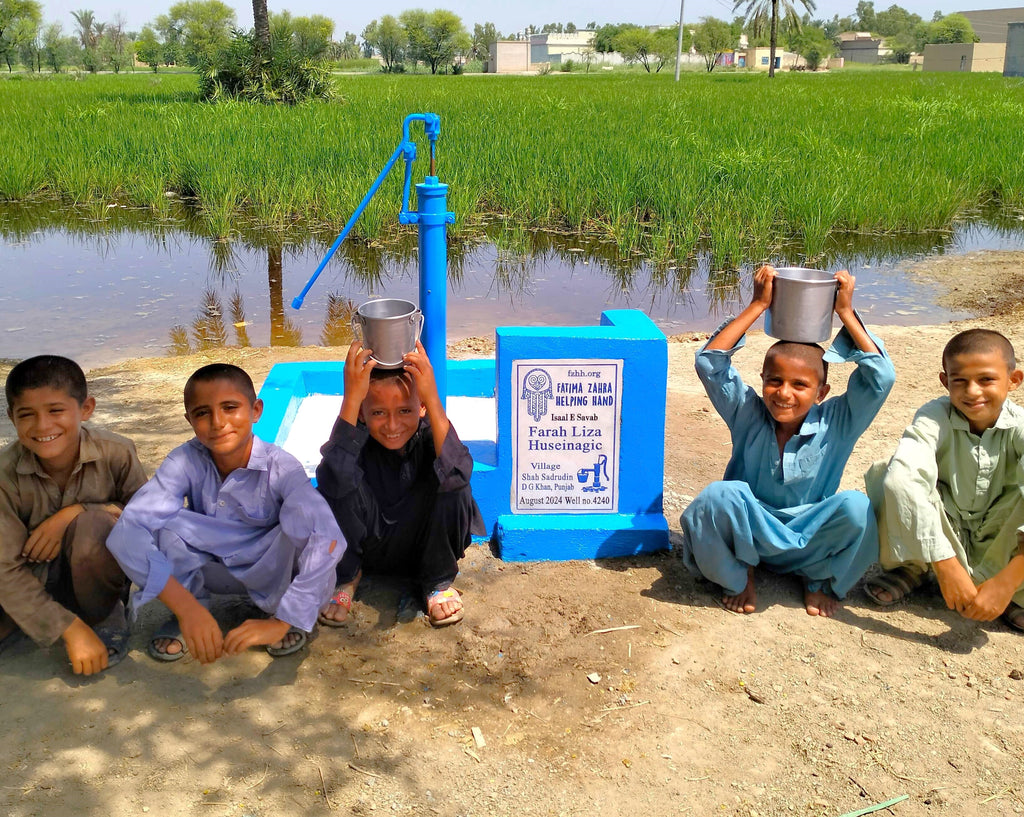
[696, 711]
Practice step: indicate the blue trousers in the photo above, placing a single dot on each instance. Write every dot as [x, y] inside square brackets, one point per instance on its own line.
[830, 544]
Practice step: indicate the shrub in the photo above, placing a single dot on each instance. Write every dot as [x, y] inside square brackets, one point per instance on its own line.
[568, 66]
[237, 72]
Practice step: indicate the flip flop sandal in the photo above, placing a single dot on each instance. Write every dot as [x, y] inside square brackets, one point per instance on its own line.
[169, 629]
[300, 642]
[438, 597]
[1013, 616]
[899, 583]
[116, 641]
[343, 600]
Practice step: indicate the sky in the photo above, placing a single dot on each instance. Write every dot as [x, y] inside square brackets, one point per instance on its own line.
[506, 15]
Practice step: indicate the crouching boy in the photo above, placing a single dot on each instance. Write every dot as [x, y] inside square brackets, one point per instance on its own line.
[778, 504]
[62, 487]
[950, 500]
[228, 513]
[397, 476]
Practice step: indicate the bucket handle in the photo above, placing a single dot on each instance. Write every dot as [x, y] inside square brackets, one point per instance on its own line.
[417, 317]
[357, 327]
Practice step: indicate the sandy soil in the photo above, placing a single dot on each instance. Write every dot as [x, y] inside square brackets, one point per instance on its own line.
[697, 711]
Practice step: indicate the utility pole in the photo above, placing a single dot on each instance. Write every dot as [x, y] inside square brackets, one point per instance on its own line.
[679, 47]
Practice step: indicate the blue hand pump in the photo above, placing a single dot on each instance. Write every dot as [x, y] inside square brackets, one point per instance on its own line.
[431, 216]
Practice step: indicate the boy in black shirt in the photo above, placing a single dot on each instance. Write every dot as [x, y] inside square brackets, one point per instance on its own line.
[397, 476]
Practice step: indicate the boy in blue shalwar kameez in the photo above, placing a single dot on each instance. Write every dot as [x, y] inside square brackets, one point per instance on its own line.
[778, 504]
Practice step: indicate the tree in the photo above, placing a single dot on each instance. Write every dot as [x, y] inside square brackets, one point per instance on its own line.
[484, 36]
[148, 48]
[761, 14]
[261, 27]
[205, 26]
[348, 47]
[953, 28]
[894, 21]
[89, 34]
[435, 37]
[19, 21]
[866, 20]
[169, 31]
[56, 47]
[311, 36]
[113, 47]
[711, 39]
[604, 37]
[636, 44]
[811, 44]
[389, 40]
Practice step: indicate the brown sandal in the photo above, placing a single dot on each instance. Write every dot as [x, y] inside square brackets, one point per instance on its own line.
[899, 583]
[1013, 616]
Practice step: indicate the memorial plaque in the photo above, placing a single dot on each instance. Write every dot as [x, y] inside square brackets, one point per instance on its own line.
[565, 436]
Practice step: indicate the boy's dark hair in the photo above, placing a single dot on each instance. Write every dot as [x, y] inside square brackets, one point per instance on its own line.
[220, 371]
[44, 371]
[975, 341]
[377, 375]
[810, 353]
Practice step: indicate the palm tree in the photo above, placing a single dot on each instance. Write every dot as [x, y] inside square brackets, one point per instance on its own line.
[261, 23]
[86, 19]
[760, 14]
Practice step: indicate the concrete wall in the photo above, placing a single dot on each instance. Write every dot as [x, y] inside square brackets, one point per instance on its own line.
[509, 57]
[990, 24]
[964, 57]
[1014, 63]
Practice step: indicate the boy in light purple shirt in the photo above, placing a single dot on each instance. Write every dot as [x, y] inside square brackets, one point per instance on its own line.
[228, 513]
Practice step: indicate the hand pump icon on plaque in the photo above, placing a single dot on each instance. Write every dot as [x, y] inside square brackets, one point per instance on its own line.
[584, 475]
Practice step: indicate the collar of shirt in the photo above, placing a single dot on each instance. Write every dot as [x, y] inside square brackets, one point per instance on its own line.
[1010, 416]
[259, 457]
[88, 451]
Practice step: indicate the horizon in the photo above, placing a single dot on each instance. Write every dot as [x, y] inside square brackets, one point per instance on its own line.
[507, 18]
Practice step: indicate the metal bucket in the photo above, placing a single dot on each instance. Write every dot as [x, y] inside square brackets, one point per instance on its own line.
[802, 306]
[389, 327]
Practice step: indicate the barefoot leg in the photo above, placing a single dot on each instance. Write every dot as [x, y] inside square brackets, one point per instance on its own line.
[820, 603]
[746, 600]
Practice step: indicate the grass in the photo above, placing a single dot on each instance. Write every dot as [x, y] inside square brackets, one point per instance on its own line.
[729, 163]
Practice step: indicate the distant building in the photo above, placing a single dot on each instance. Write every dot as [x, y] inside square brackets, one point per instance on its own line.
[990, 25]
[508, 57]
[964, 56]
[1014, 63]
[860, 46]
[759, 58]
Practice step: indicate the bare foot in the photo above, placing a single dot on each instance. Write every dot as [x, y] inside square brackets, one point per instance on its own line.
[339, 612]
[746, 600]
[820, 603]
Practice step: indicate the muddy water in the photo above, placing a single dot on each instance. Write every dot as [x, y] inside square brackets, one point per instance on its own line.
[121, 285]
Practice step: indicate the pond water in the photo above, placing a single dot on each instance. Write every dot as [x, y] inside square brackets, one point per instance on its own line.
[122, 285]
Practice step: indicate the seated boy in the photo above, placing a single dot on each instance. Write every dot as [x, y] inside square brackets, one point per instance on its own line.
[228, 513]
[778, 505]
[950, 500]
[62, 487]
[396, 476]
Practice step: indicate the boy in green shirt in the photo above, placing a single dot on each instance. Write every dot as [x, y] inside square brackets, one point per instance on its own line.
[951, 500]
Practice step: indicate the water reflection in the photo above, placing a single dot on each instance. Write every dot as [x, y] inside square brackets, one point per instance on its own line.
[107, 283]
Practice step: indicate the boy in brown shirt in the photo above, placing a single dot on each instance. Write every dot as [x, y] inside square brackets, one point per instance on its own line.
[62, 488]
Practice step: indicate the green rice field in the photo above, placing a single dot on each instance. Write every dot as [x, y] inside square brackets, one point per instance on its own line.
[728, 163]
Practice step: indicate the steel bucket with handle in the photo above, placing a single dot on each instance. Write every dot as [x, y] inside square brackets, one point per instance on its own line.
[802, 306]
[390, 328]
